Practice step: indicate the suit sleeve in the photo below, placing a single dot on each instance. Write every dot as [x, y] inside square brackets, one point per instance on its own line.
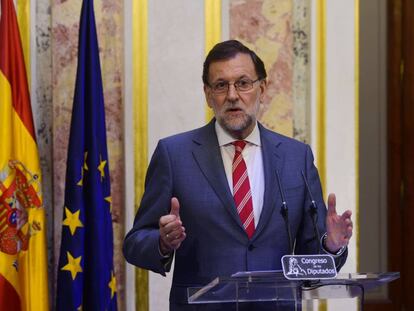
[307, 242]
[141, 244]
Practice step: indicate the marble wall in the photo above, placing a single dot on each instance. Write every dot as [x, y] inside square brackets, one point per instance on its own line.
[278, 31]
[42, 114]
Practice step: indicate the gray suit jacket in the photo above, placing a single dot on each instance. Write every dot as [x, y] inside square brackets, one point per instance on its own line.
[189, 166]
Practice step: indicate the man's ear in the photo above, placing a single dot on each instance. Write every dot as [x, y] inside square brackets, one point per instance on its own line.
[263, 88]
[207, 94]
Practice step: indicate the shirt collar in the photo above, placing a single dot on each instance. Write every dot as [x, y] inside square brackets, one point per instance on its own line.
[225, 138]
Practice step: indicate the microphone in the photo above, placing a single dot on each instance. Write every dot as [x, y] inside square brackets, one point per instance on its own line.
[308, 268]
[284, 212]
[313, 210]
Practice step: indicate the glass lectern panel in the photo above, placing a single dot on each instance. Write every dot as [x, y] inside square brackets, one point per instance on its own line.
[273, 286]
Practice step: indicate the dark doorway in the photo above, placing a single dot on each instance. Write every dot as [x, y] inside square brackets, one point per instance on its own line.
[400, 155]
[400, 103]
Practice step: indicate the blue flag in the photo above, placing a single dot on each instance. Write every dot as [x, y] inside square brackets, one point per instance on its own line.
[86, 278]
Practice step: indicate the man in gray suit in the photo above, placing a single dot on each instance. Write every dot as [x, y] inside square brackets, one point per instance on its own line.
[213, 195]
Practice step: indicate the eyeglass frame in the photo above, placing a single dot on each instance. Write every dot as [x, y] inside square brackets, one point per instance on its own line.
[235, 86]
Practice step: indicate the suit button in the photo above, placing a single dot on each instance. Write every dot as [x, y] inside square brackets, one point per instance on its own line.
[251, 247]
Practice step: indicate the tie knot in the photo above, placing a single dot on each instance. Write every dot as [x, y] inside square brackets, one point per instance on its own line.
[239, 144]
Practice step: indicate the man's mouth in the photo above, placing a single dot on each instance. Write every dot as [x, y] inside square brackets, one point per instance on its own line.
[234, 110]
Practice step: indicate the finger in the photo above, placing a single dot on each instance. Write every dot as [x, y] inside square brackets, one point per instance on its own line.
[175, 207]
[348, 222]
[169, 239]
[331, 204]
[346, 215]
[169, 235]
[166, 219]
[177, 238]
[176, 232]
[177, 242]
[173, 231]
[349, 233]
[183, 236]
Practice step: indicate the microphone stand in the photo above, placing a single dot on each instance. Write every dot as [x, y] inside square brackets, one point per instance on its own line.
[313, 210]
[285, 214]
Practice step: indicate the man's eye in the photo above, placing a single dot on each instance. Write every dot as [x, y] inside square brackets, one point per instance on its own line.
[243, 83]
[220, 85]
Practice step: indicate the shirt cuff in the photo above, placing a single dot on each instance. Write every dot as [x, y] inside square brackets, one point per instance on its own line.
[335, 255]
[163, 256]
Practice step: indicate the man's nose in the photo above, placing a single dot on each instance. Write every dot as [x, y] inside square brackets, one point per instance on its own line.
[232, 94]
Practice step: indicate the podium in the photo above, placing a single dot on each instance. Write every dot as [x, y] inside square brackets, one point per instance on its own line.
[263, 286]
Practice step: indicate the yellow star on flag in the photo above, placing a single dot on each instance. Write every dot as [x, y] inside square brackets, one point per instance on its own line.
[80, 182]
[109, 200]
[101, 167]
[112, 284]
[73, 265]
[72, 220]
[85, 166]
[83, 169]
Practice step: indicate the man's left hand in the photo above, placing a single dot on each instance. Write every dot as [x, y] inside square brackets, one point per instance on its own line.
[339, 227]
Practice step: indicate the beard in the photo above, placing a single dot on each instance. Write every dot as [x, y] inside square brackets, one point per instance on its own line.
[236, 122]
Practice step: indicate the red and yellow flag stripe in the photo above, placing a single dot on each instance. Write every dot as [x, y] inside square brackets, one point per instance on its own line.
[23, 257]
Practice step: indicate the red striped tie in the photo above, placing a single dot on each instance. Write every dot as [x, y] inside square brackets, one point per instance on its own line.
[241, 189]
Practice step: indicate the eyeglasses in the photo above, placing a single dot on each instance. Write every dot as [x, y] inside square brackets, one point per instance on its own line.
[242, 85]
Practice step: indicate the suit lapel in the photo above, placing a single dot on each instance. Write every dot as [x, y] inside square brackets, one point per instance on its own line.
[272, 162]
[206, 152]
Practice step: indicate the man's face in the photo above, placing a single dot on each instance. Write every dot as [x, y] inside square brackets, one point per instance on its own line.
[235, 111]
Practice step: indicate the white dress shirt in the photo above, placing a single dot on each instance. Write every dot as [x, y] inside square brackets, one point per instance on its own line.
[252, 155]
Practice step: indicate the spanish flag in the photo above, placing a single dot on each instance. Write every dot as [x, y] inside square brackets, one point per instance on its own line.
[23, 257]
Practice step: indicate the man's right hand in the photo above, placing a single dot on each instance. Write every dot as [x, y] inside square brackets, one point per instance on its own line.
[172, 232]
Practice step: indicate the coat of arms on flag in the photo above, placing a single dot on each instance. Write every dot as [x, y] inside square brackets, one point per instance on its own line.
[18, 195]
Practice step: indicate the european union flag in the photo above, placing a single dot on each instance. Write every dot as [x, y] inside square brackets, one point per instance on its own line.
[86, 279]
